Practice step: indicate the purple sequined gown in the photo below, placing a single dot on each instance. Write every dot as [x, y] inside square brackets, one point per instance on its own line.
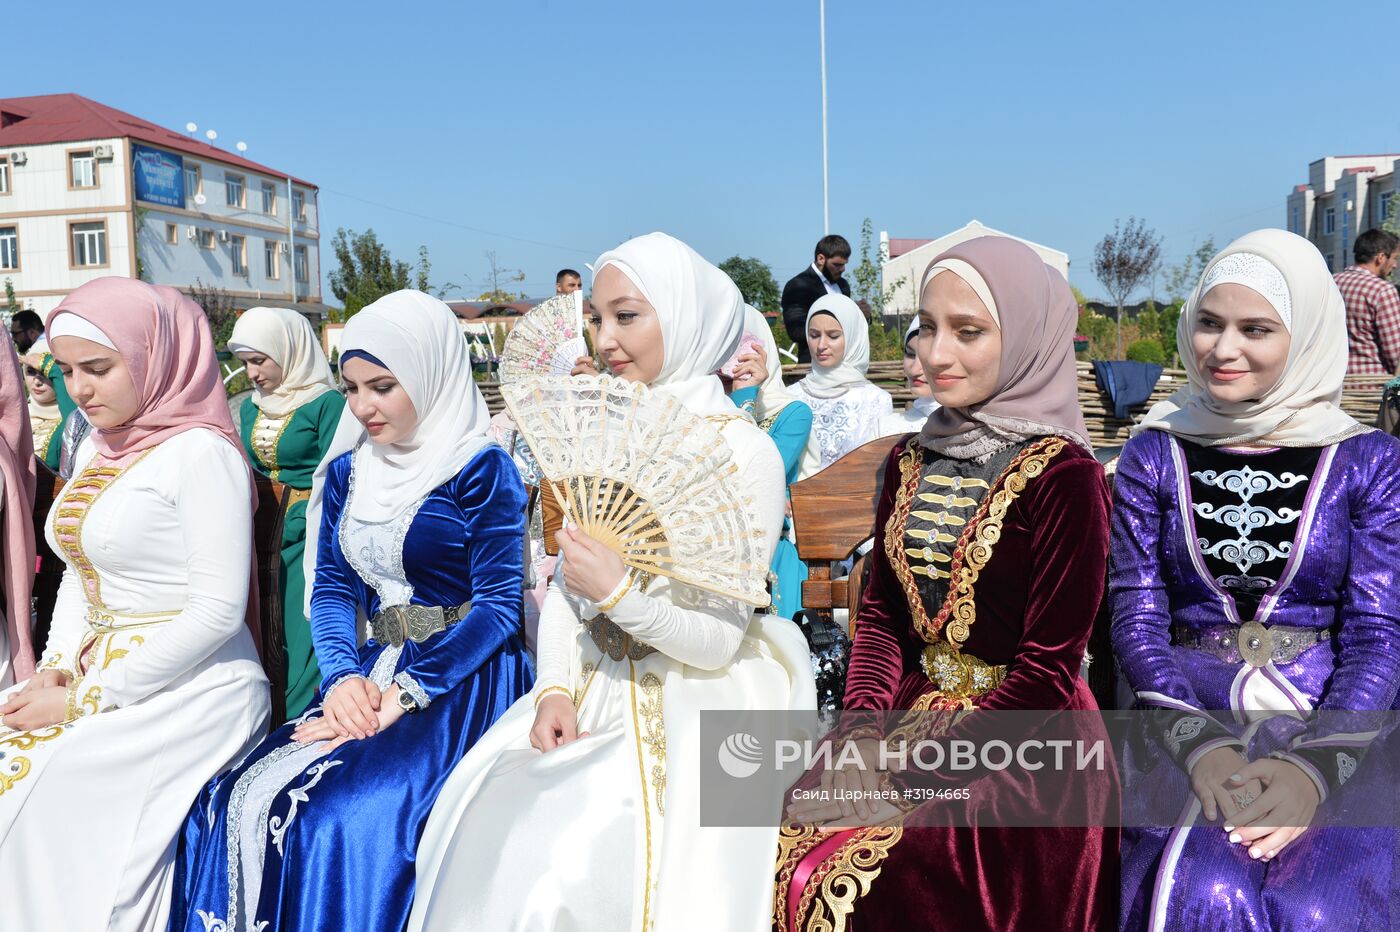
[1333, 563]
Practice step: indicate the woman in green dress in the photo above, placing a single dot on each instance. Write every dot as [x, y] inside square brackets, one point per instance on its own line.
[49, 405]
[286, 427]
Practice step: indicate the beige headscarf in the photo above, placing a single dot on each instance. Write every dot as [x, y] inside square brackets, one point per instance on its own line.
[287, 339]
[1302, 409]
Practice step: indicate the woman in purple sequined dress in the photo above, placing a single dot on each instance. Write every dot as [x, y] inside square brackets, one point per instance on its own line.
[1255, 553]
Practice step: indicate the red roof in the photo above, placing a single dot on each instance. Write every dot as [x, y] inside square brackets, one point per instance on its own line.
[32, 121]
[899, 247]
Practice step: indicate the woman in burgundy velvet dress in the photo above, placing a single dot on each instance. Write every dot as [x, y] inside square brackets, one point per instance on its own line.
[991, 541]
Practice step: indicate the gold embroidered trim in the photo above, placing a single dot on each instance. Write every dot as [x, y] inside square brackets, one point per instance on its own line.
[586, 674]
[16, 769]
[264, 449]
[795, 840]
[613, 641]
[851, 871]
[646, 807]
[44, 434]
[975, 544]
[957, 675]
[654, 721]
[96, 480]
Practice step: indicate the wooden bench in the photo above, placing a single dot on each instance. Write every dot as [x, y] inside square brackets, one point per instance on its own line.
[833, 513]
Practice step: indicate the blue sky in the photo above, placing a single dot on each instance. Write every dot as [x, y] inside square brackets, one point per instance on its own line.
[548, 131]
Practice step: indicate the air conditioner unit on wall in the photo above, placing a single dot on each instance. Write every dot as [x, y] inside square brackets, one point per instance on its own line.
[282, 248]
[223, 236]
[192, 232]
[102, 152]
[18, 158]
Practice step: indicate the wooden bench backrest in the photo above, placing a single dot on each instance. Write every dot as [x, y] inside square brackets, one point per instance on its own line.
[833, 513]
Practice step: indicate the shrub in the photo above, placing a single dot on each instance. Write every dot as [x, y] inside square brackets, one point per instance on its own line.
[1147, 351]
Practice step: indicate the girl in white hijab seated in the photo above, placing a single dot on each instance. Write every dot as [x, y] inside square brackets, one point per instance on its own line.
[911, 420]
[846, 407]
[545, 825]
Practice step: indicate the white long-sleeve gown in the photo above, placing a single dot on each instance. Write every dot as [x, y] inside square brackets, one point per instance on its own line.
[89, 810]
[604, 833]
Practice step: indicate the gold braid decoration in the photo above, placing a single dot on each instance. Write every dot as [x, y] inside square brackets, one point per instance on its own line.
[795, 840]
[844, 878]
[17, 768]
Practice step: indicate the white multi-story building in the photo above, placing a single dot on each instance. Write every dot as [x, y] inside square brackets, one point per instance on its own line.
[1345, 195]
[88, 191]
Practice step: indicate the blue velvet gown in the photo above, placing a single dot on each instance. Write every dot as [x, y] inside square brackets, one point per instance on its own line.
[299, 839]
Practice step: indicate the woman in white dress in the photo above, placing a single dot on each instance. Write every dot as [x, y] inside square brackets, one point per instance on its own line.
[580, 808]
[911, 420]
[846, 407]
[150, 683]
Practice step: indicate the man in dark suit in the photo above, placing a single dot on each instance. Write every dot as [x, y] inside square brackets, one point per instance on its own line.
[822, 277]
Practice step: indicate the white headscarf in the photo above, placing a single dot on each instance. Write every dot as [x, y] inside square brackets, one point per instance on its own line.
[287, 338]
[923, 405]
[833, 381]
[773, 395]
[701, 313]
[1302, 409]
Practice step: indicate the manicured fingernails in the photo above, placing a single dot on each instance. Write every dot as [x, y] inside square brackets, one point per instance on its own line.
[1235, 838]
[1254, 853]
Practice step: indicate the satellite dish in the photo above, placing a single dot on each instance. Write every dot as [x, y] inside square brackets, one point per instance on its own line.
[191, 128]
[211, 135]
[241, 147]
[199, 200]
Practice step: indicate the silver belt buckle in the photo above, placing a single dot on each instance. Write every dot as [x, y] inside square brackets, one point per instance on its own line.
[1256, 644]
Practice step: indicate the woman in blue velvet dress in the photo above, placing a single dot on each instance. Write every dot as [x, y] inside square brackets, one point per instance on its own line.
[421, 530]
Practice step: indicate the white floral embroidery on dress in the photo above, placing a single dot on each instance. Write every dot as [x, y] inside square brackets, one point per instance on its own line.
[846, 421]
[1184, 730]
[375, 551]
[1346, 766]
[278, 826]
[1243, 518]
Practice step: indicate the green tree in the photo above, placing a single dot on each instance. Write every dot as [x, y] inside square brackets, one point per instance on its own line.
[420, 277]
[1123, 260]
[868, 275]
[1147, 350]
[12, 305]
[365, 271]
[755, 282]
[499, 278]
[1181, 279]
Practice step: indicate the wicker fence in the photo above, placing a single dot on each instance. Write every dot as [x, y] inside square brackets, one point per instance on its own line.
[1360, 397]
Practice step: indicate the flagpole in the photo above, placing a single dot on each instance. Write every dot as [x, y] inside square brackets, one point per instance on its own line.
[826, 195]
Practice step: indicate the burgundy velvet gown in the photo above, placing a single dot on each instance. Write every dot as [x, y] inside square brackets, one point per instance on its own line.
[1012, 598]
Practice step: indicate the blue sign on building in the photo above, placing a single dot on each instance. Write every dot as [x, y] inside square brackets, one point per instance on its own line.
[160, 176]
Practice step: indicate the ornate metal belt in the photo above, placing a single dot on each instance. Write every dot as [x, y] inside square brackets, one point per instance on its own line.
[615, 642]
[399, 623]
[958, 675]
[1251, 642]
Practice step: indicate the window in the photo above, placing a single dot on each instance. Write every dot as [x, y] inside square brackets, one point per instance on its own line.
[299, 204]
[1331, 262]
[89, 244]
[302, 272]
[205, 238]
[194, 181]
[1295, 224]
[172, 234]
[1385, 205]
[82, 170]
[9, 248]
[271, 261]
[4, 175]
[233, 190]
[1329, 221]
[269, 197]
[238, 252]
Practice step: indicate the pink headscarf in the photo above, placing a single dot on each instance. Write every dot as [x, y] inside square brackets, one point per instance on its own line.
[164, 339]
[1037, 392]
[17, 466]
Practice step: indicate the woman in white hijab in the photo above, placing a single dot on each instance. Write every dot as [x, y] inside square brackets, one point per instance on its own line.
[846, 407]
[421, 529]
[911, 420]
[1255, 540]
[286, 427]
[581, 808]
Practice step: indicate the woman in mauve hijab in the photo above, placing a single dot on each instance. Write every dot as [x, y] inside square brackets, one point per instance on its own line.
[988, 566]
[150, 682]
[1256, 556]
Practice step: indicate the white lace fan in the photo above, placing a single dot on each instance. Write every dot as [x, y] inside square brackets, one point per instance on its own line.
[547, 340]
[645, 477]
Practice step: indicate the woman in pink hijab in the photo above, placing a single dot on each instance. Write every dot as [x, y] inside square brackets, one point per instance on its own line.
[150, 682]
[16, 521]
[988, 567]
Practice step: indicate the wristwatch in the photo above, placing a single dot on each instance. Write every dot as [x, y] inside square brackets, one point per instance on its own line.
[407, 702]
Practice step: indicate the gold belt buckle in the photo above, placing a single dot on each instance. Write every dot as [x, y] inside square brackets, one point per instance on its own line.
[1256, 644]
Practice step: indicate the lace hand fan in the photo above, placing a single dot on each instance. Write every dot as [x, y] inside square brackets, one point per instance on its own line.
[645, 477]
[547, 340]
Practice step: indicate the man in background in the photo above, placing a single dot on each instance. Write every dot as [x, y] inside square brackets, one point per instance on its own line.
[27, 329]
[567, 282]
[822, 277]
[1373, 307]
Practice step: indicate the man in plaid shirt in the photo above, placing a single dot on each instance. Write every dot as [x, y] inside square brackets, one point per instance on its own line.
[1373, 307]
